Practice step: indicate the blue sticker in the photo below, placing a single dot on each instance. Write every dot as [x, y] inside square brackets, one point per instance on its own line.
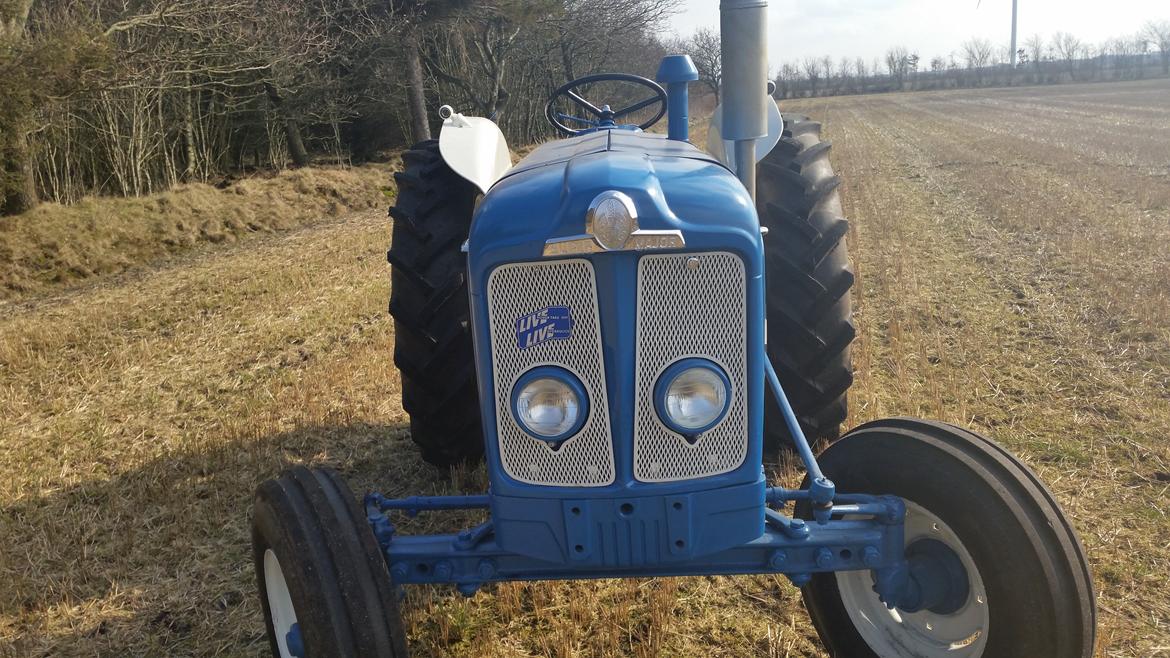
[549, 323]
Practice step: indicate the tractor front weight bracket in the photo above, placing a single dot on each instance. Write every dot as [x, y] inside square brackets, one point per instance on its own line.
[859, 533]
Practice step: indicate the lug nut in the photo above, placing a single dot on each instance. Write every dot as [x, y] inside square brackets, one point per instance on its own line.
[871, 556]
[486, 569]
[778, 559]
[824, 558]
[399, 571]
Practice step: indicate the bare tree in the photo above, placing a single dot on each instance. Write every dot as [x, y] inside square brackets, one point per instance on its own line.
[812, 73]
[704, 49]
[1068, 49]
[1158, 33]
[17, 180]
[897, 63]
[1036, 49]
[787, 79]
[978, 52]
[845, 73]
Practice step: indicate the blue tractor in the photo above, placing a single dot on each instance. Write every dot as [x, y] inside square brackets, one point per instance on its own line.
[620, 324]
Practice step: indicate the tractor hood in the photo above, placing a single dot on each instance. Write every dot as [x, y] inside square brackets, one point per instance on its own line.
[673, 185]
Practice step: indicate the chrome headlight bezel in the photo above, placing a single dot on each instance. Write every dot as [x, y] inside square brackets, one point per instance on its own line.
[559, 376]
[666, 381]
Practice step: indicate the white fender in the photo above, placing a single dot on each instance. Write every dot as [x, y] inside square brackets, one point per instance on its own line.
[720, 148]
[474, 148]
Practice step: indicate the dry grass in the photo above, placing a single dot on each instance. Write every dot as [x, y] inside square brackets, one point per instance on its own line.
[1011, 278]
[56, 244]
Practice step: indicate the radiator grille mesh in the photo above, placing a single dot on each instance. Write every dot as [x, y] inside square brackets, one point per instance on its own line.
[514, 291]
[686, 311]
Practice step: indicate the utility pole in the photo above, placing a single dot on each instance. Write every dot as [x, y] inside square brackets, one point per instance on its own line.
[1015, 15]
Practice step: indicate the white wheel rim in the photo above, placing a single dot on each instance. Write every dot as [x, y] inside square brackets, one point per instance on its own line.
[279, 602]
[925, 634]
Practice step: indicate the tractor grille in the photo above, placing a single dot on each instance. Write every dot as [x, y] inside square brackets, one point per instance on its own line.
[686, 311]
[517, 291]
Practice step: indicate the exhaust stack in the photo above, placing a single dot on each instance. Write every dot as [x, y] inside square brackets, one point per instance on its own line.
[744, 51]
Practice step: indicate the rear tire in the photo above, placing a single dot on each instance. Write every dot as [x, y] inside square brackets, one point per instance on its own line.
[1035, 581]
[319, 567]
[809, 311]
[428, 300]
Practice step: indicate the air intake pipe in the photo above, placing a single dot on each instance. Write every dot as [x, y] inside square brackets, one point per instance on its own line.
[744, 51]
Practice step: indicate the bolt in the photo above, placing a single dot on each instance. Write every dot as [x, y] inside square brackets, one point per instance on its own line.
[399, 571]
[486, 569]
[871, 556]
[796, 524]
[824, 558]
[692, 263]
[443, 571]
[778, 559]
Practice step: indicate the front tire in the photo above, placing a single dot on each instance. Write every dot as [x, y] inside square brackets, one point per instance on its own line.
[323, 581]
[1025, 565]
[809, 311]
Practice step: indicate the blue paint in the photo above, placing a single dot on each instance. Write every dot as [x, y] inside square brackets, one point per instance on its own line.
[626, 549]
[821, 488]
[938, 580]
[549, 323]
[568, 379]
[415, 504]
[547, 197]
[677, 72]
[662, 386]
[294, 641]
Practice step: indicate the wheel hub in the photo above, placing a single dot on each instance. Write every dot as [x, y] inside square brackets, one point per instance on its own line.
[938, 578]
[948, 612]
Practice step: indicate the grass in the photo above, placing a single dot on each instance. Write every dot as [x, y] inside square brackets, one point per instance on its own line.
[56, 244]
[1011, 277]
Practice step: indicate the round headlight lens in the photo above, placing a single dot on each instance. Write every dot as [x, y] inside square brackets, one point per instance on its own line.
[548, 407]
[694, 396]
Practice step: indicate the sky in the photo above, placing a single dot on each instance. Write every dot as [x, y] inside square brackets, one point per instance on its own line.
[866, 28]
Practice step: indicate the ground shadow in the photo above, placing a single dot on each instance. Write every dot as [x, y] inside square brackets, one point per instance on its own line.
[156, 560]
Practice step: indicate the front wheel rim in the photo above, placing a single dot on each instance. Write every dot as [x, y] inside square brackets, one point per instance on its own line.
[925, 634]
[280, 605]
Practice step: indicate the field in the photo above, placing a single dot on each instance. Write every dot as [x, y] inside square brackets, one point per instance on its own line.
[1012, 251]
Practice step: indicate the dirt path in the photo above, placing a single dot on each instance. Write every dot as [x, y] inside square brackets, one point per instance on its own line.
[1012, 276]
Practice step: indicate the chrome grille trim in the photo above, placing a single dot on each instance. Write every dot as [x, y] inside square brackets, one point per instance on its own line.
[685, 312]
[514, 291]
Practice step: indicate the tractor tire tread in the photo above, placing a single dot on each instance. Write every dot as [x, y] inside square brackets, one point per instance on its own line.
[429, 304]
[809, 310]
[336, 574]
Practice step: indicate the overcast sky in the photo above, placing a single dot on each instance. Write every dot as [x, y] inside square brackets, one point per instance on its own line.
[866, 28]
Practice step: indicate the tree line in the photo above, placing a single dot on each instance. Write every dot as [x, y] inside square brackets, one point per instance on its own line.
[129, 97]
[977, 63]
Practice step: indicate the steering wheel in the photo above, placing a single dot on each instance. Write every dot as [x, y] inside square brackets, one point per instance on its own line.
[602, 116]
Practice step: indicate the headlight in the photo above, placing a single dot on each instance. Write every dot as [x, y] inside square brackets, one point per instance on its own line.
[549, 403]
[692, 396]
